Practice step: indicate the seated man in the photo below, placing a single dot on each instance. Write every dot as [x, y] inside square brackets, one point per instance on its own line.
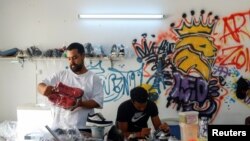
[133, 115]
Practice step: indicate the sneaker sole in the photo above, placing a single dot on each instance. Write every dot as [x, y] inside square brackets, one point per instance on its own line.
[90, 124]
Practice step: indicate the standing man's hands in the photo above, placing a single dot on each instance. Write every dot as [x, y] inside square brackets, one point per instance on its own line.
[45, 90]
[48, 90]
[77, 106]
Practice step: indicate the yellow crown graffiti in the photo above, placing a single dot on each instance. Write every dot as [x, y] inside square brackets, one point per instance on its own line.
[194, 28]
[195, 43]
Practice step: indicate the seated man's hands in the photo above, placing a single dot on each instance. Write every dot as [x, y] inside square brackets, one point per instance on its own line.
[145, 132]
[164, 127]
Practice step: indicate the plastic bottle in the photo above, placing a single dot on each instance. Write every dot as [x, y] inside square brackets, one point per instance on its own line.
[203, 123]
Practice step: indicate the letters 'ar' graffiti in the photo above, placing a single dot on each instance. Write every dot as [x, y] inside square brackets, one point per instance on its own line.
[233, 55]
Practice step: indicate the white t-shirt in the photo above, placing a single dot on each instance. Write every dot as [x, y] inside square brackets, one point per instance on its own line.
[90, 83]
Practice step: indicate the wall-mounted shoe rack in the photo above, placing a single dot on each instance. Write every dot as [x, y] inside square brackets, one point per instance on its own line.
[22, 60]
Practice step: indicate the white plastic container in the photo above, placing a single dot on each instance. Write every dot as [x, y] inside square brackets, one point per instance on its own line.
[189, 126]
[190, 117]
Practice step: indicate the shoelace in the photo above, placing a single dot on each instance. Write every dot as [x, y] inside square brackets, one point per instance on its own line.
[101, 116]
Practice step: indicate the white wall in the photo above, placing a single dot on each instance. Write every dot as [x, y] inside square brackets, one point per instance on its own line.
[17, 87]
[54, 23]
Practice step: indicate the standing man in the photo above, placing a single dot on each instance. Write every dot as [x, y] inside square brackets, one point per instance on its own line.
[79, 77]
[133, 115]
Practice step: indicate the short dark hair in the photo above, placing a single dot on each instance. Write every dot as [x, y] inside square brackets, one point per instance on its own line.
[77, 46]
[139, 94]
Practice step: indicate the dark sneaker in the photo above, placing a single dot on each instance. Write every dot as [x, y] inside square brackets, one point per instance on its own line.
[121, 51]
[97, 120]
[89, 50]
[48, 53]
[34, 51]
[57, 53]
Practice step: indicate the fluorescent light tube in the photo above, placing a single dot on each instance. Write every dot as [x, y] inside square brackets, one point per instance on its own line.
[134, 16]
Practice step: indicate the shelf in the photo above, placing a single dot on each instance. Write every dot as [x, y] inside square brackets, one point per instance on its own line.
[109, 58]
[62, 58]
[7, 58]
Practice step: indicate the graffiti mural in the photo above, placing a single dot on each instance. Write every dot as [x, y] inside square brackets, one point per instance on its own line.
[116, 83]
[155, 60]
[195, 63]
[195, 87]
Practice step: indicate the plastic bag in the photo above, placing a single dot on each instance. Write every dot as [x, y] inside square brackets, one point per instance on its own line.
[8, 130]
[65, 133]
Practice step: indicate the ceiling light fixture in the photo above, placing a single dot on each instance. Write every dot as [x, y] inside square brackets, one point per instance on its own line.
[121, 16]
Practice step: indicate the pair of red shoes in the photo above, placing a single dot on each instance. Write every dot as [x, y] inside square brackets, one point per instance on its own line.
[65, 96]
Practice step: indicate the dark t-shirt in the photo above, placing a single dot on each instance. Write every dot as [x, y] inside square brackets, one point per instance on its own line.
[136, 119]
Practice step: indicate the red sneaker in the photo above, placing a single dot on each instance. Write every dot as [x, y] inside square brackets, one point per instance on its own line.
[65, 102]
[69, 91]
[54, 98]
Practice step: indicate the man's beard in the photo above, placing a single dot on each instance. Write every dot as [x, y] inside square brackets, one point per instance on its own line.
[76, 67]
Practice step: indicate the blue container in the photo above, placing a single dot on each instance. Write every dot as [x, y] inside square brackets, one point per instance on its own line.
[175, 131]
